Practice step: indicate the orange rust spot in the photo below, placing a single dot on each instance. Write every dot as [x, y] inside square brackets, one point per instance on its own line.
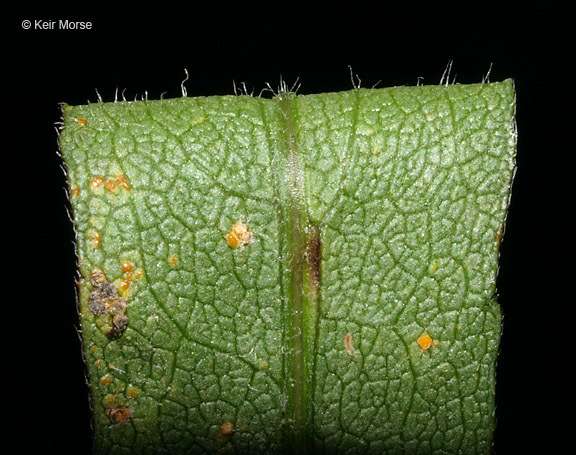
[242, 232]
[81, 121]
[348, 344]
[118, 416]
[98, 363]
[111, 186]
[239, 235]
[75, 191]
[128, 276]
[172, 260]
[232, 240]
[123, 182]
[124, 285]
[96, 182]
[109, 401]
[227, 429]
[105, 380]
[126, 266]
[498, 237]
[95, 239]
[425, 341]
[138, 273]
[131, 392]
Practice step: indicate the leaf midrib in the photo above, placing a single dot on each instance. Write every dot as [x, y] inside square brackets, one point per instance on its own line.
[297, 243]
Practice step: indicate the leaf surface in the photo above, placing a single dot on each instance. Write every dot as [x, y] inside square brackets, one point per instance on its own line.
[299, 274]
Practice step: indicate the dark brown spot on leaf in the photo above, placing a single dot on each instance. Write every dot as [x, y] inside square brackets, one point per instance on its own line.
[118, 416]
[104, 300]
[119, 324]
[314, 256]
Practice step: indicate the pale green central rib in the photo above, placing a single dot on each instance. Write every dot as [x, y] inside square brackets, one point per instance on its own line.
[297, 241]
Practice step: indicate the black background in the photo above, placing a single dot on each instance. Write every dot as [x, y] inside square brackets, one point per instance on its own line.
[147, 51]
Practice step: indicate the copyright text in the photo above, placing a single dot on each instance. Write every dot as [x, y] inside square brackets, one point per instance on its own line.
[62, 24]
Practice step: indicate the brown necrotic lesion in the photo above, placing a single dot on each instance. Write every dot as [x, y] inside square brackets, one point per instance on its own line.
[314, 258]
[105, 301]
[118, 416]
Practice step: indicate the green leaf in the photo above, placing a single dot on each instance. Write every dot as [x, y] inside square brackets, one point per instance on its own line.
[299, 274]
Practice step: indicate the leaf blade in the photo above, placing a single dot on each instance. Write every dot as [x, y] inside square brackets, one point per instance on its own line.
[406, 190]
[410, 248]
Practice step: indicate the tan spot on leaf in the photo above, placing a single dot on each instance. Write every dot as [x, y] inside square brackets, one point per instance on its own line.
[227, 429]
[348, 344]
